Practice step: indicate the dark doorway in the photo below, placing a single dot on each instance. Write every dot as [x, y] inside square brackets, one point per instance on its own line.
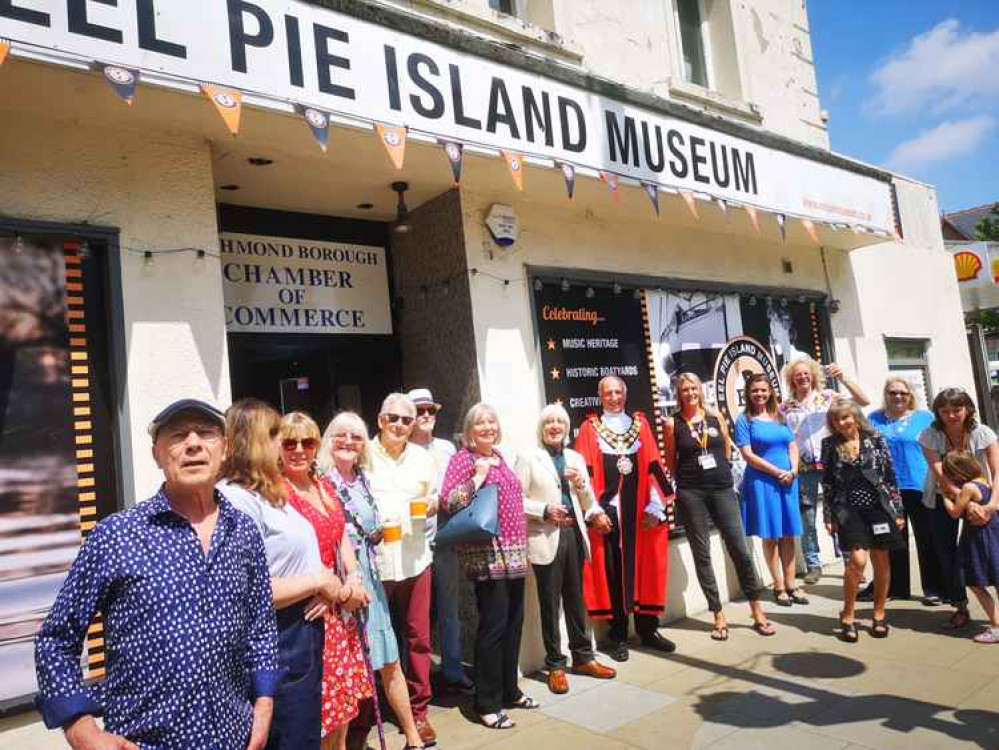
[319, 375]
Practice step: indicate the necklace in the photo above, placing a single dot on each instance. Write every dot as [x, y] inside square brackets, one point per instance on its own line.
[621, 442]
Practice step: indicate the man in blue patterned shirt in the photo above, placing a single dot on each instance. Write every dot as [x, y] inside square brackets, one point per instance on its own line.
[189, 628]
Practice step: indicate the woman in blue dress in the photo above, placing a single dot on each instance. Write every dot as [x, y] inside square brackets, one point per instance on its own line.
[343, 455]
[770, 485]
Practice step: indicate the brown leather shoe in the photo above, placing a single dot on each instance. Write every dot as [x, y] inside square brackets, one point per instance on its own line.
[557, 681]
[427, 734]
[594, 668]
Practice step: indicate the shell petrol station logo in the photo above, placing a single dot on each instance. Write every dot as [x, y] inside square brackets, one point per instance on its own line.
[968, 265]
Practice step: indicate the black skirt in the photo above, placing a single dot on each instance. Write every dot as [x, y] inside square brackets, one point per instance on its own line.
[857, 528]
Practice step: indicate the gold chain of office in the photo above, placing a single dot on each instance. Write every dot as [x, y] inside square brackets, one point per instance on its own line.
[621, 442]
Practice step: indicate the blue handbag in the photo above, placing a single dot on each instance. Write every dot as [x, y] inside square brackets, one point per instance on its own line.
[476, 522]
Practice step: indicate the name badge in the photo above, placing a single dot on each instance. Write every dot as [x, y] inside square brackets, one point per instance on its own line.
[707, 461]
[880, 528]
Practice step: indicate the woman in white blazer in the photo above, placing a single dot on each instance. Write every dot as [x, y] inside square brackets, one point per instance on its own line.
[558, 502]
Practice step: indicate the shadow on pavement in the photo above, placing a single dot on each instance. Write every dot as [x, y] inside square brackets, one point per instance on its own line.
[815, 706]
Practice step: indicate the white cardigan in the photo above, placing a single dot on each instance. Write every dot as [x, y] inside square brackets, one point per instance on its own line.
[542, 486]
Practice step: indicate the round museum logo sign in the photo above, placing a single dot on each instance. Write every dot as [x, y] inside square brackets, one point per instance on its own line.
[740, 359]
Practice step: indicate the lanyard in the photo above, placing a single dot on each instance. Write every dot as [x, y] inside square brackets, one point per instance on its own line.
[700, 436]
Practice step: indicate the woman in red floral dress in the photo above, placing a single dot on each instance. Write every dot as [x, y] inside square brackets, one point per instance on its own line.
[345, 675]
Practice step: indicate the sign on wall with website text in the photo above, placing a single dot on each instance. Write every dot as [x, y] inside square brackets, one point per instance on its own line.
[282, 51]
[287, 285]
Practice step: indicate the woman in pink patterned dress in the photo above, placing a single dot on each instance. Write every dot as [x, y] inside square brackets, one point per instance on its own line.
[345, 676]
[497, 566]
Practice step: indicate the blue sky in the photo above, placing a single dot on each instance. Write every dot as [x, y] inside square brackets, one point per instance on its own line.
[914, 85]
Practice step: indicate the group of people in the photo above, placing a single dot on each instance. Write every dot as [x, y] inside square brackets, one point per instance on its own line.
[280, 569]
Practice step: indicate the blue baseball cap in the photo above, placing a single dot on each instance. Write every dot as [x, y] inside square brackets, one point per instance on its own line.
[186, 406]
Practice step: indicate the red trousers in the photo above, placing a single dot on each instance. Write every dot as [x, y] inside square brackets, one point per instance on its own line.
[409, 603]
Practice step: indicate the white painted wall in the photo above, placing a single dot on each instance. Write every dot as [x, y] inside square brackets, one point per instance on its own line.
[158, 191]
[760, 51]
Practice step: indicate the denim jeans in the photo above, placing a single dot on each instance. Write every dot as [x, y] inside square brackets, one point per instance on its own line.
[809, 482]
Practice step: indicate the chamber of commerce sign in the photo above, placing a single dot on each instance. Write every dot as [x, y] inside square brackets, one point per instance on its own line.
[300, 52]
[279, 284]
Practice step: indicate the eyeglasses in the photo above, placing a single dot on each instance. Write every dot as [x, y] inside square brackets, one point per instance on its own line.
[349, 437]
[404, 418]
[898, 393]
[308, 444]
[427, 411]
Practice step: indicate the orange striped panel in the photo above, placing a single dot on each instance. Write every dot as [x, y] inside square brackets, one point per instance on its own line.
[77, 327]
[84, 468]
[85, 426]
[84, 453]
[84, 439]
[74, 273]
[78, 356]
[81, 411]
[85, 482]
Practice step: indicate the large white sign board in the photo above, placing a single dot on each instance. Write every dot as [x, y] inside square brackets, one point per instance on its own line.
[286, 285]
[299, 52]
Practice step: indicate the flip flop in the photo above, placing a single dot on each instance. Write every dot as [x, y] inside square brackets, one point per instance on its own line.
[526, 703]
[497, 721]
[989, 635]
[848, 632]
[720, 634]
[765, 628]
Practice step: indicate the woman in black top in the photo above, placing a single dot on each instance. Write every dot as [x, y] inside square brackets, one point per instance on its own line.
[698, 445]
[861, 502]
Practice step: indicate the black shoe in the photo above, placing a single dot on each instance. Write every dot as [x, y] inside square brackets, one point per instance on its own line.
[867, 594]
[464, 686]
[616, 650]
[657, 642]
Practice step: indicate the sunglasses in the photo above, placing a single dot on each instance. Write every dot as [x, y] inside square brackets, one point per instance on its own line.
[308, 444]
[427, 411]
[404, 418]
[898, 393]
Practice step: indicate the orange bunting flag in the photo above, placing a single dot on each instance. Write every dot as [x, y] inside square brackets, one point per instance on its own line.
[691, 202]
[809, 226]
[228, 102]
[393, 138]
[610, 179]
[4, 51]
[515, 163]
[753, 217]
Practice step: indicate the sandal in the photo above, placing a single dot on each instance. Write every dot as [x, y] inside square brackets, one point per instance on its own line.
[765, 628]
[497, 721]
[989, 635]
[848, 632]
[720, 634]
[525, 702]
[798, 596]
[879, 628]
[782, 598]
[958, 620]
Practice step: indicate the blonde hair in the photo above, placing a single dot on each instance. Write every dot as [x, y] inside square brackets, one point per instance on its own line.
[911, 404]
[345, 420]
[961, 466]
[250, 458]
[472, 416]
[298, 425]
[554, 411]
[689, 377]
[840, 407]
[818, 376]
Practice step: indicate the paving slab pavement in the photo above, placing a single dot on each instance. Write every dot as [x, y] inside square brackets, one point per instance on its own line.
[920, 689]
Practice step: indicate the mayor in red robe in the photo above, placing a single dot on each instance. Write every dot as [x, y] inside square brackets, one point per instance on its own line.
[629, 565]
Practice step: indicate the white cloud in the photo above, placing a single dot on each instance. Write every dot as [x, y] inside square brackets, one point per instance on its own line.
[948, 139]
[940, 69]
